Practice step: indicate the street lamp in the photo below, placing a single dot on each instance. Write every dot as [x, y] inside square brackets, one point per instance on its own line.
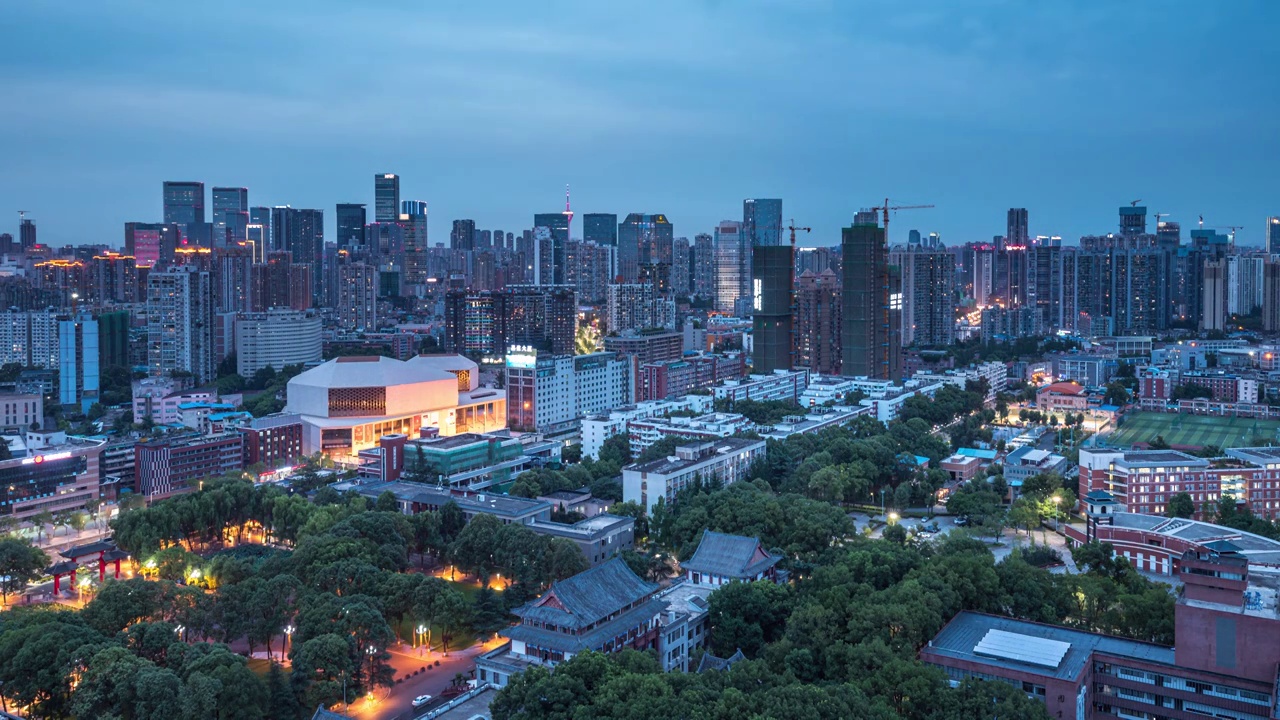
[371, 651]
[419, 632]
[893, 518]
[1057, 524]
[288, 635]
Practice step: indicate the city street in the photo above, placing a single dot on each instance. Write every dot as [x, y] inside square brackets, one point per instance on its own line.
[433, 682]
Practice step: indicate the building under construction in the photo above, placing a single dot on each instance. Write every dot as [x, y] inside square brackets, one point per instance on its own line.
[772, 278]
[871, 304]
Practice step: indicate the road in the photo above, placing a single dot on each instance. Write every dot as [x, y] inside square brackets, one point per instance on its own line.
[434, 681]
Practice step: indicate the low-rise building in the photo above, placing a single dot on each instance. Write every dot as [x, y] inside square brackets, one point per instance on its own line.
[274, 339]
[599, 538]
[961, 468]
[1062, 397]
[1088, 370]
[175, 465]
[644, 433]
[1027, 461]
[49, 471]
[549, 394]
[415, 497]
[815, 420]
[721, 559]
[672, 378]
[598, 428]
[274, 441]
[787, 385]
[470, 461]
[727, 461]
[995, 374]
[19, 410]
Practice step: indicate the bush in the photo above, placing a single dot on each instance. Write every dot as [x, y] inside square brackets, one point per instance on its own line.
[1041, 556]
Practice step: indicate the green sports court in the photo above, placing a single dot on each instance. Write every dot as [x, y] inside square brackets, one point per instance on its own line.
[1193, 430]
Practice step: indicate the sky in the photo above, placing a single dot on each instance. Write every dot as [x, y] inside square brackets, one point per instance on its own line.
[685, 107]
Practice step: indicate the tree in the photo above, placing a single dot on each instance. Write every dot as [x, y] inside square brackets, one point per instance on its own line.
[387, 502]
[1181, 506]
[20, 563]
[323, 673]
[39, 520]
[746, 616]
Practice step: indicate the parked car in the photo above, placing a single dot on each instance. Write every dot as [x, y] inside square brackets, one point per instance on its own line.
[421, 700]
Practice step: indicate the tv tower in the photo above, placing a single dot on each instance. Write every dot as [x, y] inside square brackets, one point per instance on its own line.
[568, 214]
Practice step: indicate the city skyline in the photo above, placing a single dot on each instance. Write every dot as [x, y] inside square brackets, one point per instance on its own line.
[931, 96]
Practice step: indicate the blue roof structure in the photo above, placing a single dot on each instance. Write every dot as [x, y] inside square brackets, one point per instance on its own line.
[977, 453]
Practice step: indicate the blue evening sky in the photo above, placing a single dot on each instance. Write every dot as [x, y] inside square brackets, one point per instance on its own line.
[487, 109]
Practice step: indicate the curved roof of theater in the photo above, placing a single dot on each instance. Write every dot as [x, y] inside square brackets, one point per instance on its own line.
[373, 371]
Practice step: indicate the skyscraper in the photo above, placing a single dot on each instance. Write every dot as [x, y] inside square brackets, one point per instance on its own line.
[1214, 306]
[463, 236]
[180, 323]
[762, 222]
[413, 217]
[26, 234]
[644, 239]
[150, 244]
[600, 228]
[183, 202]
[351, 219]
[78, 361]
[817, 321]
[928, 296]
[1271, 295]
[772, 278]
[386, 197]
[300, 232]
[1133, 220]
[230, 215]
[732, 256]
[358, 296]
[871, 310]
[558, 224]
[1273, 235]
[1016, 233]
[681, 267]
[639, 306]
[704, 265]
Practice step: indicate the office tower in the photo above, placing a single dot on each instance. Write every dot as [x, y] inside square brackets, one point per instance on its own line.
[1044, 282]
[230, 215]
[638, 306]
[1271, 295]
[78, 370]
[817, 321]
[590, 269]
[113, 278]
[151, 244]
[183, 203]
[350, 219]
[772, 278]
[27, 234]
[413, 218]
[928, 296]
[733, 278]
[300, 232]
[386, 197]
[233, 279]
[358, 297]
[544, 317]
[1273, 235]
[681, 267]
[913, 239]
[600, 228]
[870, 330]
[643, 239]
[762, 222]
[6, 244]
[543, 255]
[1244, 283]
[1133, 220]
[1214, 306]
[1016, 232]
[180, 324]
[558, 225]
[463, 236]
[703, 261]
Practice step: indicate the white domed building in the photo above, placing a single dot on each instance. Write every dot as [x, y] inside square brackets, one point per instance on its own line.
[348, 403]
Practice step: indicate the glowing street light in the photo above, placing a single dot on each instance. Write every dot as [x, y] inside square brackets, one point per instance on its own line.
[893, 518]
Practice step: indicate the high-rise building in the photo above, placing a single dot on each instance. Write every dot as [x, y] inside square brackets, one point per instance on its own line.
[230, 215]
[358, 296]
[1214, 306]
[549, 393]
[27, 234]
[351, 219]
[183, 202]
[151, 244]
[386, 197]
[542, 316]
[1244, 283]
[817, 322]
[772, 279]
[233, 279]
[681, 267]
[1273, 235]
[300, 232]
[636, 306]
[1271, 296]
[591, 269]
[871, 308]
[643, 239]
[463, 236]
[78, 369]
[1016, 232]
[113, 278]
[413, 218]
[1133, 220]
[276, 339]
[703, 260]
[1044, 282]
[732, 273]
[600, 228]
[180, 324]
[762, 222]
[29, 339]
[928, 296]
[558, 224]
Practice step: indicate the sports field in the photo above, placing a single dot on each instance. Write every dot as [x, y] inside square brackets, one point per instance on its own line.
[1193, 430]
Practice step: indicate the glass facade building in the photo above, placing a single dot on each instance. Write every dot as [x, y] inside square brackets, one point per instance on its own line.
[762, 221]
[386, 197]
[184, 202]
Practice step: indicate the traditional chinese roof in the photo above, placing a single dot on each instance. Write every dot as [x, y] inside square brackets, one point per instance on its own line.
[322, 714]
[92, 548]
[732, 556]
[588, 597]
[711, 662]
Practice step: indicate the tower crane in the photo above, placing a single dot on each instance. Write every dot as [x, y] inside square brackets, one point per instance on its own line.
[1160, 215]
[792, 227]
[1134, 203]
[887, 207]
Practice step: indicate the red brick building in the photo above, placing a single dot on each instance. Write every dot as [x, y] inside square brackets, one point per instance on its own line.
[1145, 480]
[275, 441]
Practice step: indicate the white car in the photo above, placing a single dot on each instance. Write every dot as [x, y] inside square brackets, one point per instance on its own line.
[421, 700]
